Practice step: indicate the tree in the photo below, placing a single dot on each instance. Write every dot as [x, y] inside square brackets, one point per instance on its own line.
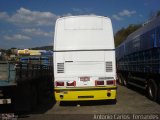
[154, 14]
[122, 34]
[158, 13]
[8, 52]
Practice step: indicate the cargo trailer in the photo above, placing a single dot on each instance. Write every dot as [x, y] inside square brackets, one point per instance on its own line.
[24, 83]
[138, 59]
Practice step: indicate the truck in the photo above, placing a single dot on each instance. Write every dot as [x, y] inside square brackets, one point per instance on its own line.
[24, 83]
[84, 59]
[138, 59]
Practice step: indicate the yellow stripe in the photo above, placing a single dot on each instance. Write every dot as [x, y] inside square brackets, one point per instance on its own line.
[80, 94]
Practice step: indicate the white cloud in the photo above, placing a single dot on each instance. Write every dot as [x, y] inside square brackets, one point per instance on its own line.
[122, 14]
[3, 15]
[82, 10]
[25, 17]
[127, 13]
[68, 14]
[36, 32]
[16, 37]
[116, 17]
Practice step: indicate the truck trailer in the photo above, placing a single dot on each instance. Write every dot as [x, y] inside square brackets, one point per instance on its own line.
[84, 59]
[24, 83]
[138, 59]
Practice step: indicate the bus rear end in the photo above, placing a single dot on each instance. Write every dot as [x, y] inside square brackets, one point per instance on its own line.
[84, 59]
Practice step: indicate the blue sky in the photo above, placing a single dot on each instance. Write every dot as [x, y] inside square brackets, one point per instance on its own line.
[30, 23]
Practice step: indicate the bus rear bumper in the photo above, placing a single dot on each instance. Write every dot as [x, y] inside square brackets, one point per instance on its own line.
[83, 94]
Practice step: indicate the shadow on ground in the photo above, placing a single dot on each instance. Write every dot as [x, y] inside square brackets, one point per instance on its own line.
[88, 103]
[136, 89]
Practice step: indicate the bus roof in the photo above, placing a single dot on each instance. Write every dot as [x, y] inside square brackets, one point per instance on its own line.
[83, 33]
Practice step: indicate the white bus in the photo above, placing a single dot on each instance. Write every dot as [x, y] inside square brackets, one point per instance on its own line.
[84, 59]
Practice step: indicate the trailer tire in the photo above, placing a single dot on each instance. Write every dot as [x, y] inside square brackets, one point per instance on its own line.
[125, 81]
[158, 94]
[152, 89]
[120, 81]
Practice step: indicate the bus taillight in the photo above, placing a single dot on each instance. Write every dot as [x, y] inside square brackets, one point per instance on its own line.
[111, 82]
[97, 83]
[59, 83]
[71, 83]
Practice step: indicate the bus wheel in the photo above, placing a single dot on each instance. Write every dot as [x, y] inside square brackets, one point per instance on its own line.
[152, 90]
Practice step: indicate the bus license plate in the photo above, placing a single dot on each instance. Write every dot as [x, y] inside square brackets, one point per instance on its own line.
[84, 79]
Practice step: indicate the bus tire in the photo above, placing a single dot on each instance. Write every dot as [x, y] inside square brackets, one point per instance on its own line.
[152, 89]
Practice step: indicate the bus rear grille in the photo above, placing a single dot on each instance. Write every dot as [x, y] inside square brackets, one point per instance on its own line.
[109, 66]
[60, 67]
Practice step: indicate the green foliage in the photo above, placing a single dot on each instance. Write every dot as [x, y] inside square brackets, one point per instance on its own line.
[158, 13]
[122, 34]
[43, 48]
[8, 52]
